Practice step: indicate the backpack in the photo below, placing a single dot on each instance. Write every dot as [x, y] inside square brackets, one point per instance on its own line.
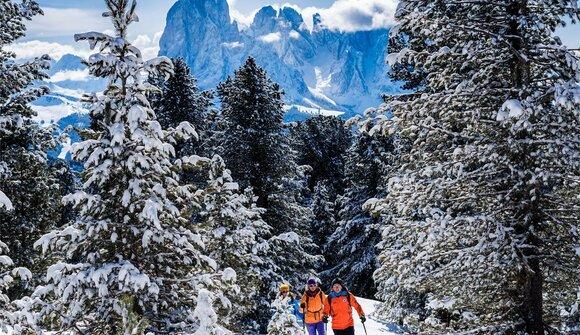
[308, 298]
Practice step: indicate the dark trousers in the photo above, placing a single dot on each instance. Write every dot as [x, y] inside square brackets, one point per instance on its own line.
[347, 331]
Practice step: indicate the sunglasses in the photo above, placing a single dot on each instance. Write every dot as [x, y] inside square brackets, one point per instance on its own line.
[285, 291]
[312, 285]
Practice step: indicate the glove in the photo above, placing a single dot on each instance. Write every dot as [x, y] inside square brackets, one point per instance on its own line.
[325, 319]
[303, 305]
[363, 319]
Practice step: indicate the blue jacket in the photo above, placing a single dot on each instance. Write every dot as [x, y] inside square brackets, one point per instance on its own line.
[295, 303]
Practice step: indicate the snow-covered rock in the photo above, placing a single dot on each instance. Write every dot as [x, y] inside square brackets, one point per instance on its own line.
[320, 69]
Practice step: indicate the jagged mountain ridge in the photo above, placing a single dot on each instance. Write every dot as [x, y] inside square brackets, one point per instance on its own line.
[320, 69]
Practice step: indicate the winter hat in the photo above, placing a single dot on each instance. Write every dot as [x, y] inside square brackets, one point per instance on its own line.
[311, 281]
[285, 288]
[339, 282]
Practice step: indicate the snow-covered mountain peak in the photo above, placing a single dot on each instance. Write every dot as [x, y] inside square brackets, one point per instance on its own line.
[320, 69]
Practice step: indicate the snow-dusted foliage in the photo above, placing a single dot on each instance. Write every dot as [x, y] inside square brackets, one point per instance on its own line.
[254, 145]
[482, 218]
[131, 258]
[237, 238]
[320, 143]
[205, 315]
[352, 245]
[28, 194]
[180, 100]
[283, 320]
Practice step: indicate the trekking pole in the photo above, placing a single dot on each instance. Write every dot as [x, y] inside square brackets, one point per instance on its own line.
[365, 328]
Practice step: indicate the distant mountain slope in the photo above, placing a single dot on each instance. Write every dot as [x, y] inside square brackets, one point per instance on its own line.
[319, 70]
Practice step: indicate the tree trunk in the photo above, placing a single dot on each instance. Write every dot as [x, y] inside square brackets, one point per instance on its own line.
[532, 305]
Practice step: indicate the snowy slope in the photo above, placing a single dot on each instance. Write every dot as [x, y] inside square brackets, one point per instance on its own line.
[373, 326]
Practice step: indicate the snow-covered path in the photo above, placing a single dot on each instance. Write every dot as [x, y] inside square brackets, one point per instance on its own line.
[373, 327]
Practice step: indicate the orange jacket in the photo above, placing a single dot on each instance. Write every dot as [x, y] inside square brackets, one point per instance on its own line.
[340, 310]
[314, 307]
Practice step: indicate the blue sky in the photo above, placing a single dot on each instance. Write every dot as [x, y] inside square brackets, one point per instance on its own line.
[53, 32]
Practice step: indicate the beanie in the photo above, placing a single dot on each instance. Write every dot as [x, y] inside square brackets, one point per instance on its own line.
[311, 281]
[339, 282]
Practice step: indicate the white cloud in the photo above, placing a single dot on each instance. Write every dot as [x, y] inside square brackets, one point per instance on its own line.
[76, 75]
[355, 15]
[31, 49]
[270, 38]
[244, 21]
[234, 45]
[294, 34]
[343, 15]
[149, 46]
[65, 22]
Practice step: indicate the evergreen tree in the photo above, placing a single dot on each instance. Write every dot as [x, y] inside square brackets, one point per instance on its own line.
[483, 216]
[131, 260]
[29, 199]
[237, 238]
[321, 143]
[206, 317]
[67, 180]
[324, 211]
[352, 245]
[180, 100]
[283, 321]
[255, 147]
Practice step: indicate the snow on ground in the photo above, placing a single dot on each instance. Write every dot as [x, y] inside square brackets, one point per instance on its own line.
[373, 326]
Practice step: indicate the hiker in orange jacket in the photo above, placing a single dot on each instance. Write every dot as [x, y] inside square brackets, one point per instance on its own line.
[338, 305]
[312, 306]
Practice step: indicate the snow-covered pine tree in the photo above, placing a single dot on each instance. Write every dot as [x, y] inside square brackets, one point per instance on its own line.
[255, 148]
[323, 206]
[283, 321]
[206, 316]
[180, 100]
[132, 243]
[321, 143]
[29, 199]
[237, 238]
[483, 217]
[352, 245]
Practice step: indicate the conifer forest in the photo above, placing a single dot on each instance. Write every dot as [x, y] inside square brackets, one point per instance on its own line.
[451, 206]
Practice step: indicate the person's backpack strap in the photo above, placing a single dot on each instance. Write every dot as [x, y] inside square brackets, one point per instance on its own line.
[330, 301]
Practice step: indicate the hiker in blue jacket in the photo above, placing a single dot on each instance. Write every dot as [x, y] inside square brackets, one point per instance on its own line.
[286, 294]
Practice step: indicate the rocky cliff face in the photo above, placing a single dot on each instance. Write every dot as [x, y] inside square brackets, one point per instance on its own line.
[319, 69]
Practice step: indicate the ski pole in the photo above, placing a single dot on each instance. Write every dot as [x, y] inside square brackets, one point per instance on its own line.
[365, 328]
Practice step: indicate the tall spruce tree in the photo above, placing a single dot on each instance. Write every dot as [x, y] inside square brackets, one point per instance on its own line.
[352, 245]
[131, 259]
[254, 145]
[321, 143]
[29, 199]
[237, 238]
[483, 216]
[180, 100]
